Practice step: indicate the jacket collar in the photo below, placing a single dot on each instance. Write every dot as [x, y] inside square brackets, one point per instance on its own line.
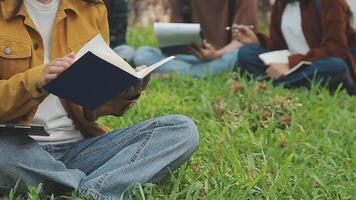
[8, 7]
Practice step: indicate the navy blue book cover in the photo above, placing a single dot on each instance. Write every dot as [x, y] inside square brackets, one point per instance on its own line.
[91, 82]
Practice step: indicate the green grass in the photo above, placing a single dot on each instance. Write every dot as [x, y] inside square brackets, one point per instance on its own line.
[256, 142]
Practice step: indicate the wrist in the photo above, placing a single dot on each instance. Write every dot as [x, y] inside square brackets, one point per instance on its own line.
[131, 97]
[218, 54]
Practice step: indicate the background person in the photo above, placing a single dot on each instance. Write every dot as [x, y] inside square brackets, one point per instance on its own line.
[322, 35]
[219, 53]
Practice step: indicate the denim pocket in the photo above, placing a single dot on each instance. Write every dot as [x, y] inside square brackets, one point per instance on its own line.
[57, 150]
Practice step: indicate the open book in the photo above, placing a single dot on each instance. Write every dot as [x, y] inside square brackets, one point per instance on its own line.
[177, 34]
[97, 76]
[281, 57]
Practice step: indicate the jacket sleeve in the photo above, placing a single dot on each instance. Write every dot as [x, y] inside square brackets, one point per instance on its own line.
[334, 41]
[246, 12]
[176, 10]
[20, 94]
[117, 106]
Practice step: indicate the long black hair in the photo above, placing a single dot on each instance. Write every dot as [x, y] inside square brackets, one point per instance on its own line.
[20, 2]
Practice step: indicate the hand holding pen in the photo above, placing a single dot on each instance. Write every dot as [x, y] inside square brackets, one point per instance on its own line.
[229, 28]
[244, 34]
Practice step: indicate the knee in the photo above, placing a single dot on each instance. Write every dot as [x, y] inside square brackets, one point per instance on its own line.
[247, 52]
[143, 54]
[338, 66]
[186, 131]
[126, 52]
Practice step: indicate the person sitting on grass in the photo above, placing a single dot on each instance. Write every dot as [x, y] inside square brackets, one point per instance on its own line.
[219, 53]
[117, 14]
[80, 155]
[312, 30]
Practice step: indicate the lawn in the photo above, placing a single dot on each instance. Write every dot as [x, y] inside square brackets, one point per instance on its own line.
[256, 142]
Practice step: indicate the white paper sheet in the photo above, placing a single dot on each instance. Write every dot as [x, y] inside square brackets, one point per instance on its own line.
[173, 34]
[275, 57]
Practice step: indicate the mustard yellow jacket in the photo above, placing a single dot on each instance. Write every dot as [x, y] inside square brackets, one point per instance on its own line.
[22, 55]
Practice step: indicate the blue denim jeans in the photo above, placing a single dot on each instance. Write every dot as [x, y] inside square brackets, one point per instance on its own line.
[186, 64]
[103, 167]
[126, 52]
[330, 72]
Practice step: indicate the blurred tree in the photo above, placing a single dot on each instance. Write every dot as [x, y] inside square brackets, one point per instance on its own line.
[144, 12]
[264, 12]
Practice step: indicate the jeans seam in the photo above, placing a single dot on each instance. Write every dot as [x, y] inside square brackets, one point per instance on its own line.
[117, 142]
[87, 192]
[99, 183]
[105, 147]
[139, 150]
[150, 130]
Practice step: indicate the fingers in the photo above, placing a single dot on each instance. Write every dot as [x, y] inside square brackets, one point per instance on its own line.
[71, 55]
[270, 73]
[273, 73]
[241, 29]
[68, 60]
[60, 63]
[140, 68]
[208, 45]
[50, 77]
[55, 70]
[196, 51]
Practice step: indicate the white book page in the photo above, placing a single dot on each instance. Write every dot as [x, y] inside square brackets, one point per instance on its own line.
[272, 57]
[281, 57]
[173, 34]
[114, 61]
[141, 74]
[98, 46]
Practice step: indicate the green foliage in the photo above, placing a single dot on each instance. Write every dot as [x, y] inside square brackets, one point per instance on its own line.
[140, 36]
[256, 142]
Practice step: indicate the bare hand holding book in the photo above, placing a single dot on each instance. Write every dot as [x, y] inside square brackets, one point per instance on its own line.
[281, 57]
[97, 76]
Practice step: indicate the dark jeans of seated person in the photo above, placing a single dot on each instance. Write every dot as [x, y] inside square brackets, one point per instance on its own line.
[330, 72]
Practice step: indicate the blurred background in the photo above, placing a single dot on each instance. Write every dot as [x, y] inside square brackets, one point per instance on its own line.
[144, 12]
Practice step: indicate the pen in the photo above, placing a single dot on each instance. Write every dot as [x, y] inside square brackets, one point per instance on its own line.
[229, 28]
